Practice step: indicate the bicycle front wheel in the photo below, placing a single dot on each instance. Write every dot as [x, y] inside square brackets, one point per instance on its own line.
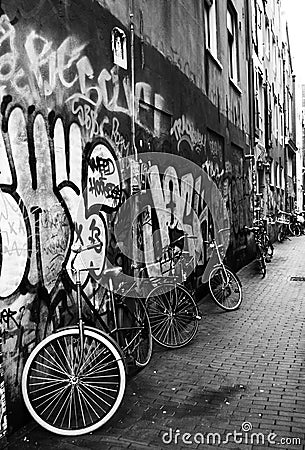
[260, 257]
[69, 396]
[225, 288]
[173, 315]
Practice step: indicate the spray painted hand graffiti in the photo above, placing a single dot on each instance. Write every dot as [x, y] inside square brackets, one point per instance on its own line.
[44, 184]
[34, 227]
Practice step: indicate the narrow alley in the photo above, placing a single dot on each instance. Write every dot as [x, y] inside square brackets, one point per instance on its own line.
[240, 383]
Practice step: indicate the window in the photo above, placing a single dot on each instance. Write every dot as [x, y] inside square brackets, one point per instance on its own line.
[272, 173]
[276, 128]
[210, 22]
[282, 181]
[276, 174]
[232, 42]
[259, 101]
[268, 40]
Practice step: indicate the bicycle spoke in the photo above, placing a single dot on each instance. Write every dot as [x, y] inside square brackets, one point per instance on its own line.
[225, 288]
[73, 403]
[173, 315]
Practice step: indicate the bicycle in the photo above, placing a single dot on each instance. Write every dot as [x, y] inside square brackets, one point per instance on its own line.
[266, 242]
[74, 380]
[264, 248]
[262, 235]
[171, 308]
[294, 225]
[284, 220]
[225, 286]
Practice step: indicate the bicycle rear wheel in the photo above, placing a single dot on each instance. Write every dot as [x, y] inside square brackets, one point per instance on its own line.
[68, 396]
[173, 315]
[225, 288]
[135, 331]
[262, 265]
[268, 248]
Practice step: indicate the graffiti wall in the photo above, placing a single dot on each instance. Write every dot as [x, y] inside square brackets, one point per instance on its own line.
[66, 171]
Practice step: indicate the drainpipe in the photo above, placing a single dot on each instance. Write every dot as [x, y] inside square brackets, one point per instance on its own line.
[133, 124]
[134, 156]
[251, 97]
[285, 147]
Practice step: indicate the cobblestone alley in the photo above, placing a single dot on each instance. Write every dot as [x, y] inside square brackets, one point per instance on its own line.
[242, 378]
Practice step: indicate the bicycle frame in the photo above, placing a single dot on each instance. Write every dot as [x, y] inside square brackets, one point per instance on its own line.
[115, 313]
[213, 244]
[76, 273]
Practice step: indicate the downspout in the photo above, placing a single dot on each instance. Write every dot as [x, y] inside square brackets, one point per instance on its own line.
[294, 137]
[132, 57]
[251, 98]
[134, 165]
[285, 147]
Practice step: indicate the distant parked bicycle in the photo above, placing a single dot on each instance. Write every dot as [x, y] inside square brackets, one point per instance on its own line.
[294, 225]
[266, 243]
[224, 284]
[74, 380]
[264, 247]
[172, 310]
[283, 219]
[301, 221]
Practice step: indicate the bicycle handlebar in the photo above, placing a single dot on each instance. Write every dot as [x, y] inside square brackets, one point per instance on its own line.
[223, 229]
[185, 235]
[251, 228]
[82, 248]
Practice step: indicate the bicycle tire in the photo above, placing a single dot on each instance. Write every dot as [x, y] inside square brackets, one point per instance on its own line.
[297, 231]
[224, 284]
[280, 236]
[268, 248]
[173, 315]
[262, 265]
[67, 403]
[136, 338]
[291, 228]
[260, 257]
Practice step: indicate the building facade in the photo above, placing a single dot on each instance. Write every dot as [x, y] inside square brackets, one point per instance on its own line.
[104, 101]
[275, 127]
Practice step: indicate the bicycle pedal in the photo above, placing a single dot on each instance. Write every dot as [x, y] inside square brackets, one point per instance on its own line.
[198, 317]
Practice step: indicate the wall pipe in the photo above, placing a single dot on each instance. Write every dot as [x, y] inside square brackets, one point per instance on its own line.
[132, 58]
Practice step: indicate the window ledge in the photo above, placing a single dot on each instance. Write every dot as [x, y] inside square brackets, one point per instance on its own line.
[214, 59]
[235, 86]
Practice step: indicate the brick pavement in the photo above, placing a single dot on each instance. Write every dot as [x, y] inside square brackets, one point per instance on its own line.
[244, 372]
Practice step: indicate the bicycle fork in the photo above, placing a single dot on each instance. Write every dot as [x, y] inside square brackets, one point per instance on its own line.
[80, 322]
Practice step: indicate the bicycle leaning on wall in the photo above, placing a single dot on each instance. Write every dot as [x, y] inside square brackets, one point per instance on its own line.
[224, 284]
[283, 220]
[172, 310]
[264, 247]
[74, 380]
